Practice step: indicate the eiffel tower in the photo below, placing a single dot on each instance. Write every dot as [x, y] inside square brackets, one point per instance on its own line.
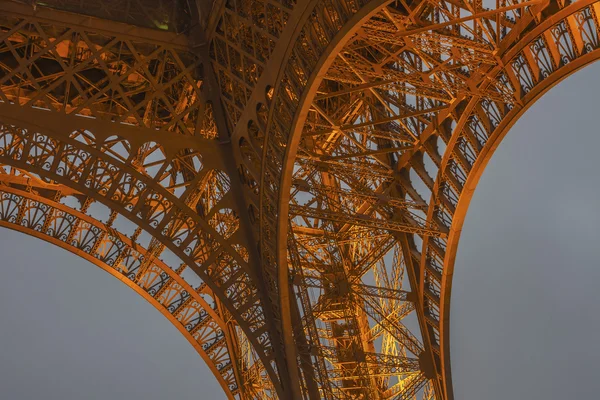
[285, 180]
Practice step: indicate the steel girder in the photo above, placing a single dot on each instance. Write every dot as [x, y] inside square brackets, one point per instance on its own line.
[310, 161]
[63, 217]
[376, 95]
[126, 116]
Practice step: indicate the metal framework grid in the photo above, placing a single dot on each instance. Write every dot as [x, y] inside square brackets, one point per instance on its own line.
[285, 180]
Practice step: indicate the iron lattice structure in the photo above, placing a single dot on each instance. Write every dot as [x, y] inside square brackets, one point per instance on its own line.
[285, 180]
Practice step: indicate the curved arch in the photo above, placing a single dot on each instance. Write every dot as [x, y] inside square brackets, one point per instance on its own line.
[445, 157]
[152, 207]
[157, 90]
[585, 11]
[435, 80]
[186, 307]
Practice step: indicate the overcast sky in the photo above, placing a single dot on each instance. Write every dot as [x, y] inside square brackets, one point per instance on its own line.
[524, 320]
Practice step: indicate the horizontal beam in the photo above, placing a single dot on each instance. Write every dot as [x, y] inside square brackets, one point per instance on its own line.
[362, 220]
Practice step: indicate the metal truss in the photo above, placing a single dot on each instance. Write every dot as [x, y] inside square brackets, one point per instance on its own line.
[62, 217]
[303, 167]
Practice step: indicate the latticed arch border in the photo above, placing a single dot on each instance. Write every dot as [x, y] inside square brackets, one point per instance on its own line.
[467, 195]
[571, 46]
[189, 243]
[187, 308]
[531, 95]
[173, 108]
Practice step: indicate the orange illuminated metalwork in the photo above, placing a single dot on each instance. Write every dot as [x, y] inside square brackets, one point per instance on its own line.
[285, 180]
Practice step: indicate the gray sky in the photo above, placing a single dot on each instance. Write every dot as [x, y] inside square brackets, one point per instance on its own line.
[70, 331]
[524, 321]
[524, 302]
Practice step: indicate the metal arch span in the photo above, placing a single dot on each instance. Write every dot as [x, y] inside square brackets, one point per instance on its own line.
[125, 115]
[579, 25]
[309, 161]
[390, 136]
[35, 208]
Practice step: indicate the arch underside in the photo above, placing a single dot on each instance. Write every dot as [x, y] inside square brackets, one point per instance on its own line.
[38, 209]
[304, 167]
[389, 139]
[120, 116]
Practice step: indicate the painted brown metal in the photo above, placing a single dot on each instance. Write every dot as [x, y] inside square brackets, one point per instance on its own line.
[304, 167]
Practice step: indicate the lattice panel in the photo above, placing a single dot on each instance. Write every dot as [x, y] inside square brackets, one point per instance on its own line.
[175, 190]
[246, 35]
[94, 74]
[192, 309]
[397, 127]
